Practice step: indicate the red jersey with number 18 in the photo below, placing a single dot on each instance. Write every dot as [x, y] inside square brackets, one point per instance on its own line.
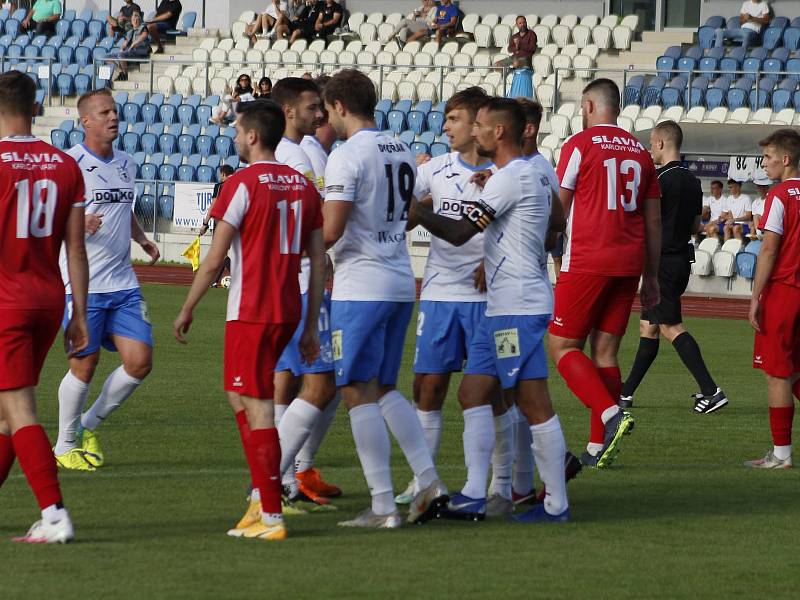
[39, 185]
[612, 174]
[275, 209]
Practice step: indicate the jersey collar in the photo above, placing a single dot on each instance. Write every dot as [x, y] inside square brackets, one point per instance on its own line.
[20, 138]
[100, 158]
[466, 165]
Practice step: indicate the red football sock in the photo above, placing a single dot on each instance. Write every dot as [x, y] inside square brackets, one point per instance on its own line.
[38, 463]
[780, 422]
[597, 430]
[612, 378]
[6, 456]
[244, 429]
[796, 389]
[265, 466]
[583, 379]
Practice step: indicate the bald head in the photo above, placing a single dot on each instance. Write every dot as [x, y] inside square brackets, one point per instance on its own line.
[600, 103]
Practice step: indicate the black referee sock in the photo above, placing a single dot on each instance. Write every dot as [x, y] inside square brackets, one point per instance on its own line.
[645, 355]
[687, 348]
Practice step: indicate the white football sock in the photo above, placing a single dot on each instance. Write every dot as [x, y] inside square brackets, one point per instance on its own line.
[609, 414]
[502, 455]
[523, 455]
[549, 449]
[594, 448]
[782, 452]
[271, 518]
[305, 457]
[406, 429]
[280, 410]
[53, 514]
[478, 446]
[374, 452]
[72, 395]
[431, 422]
[294, 429]
[255, 495]
[116, 389]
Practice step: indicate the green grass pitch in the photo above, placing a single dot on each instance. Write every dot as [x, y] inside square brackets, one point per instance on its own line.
[677, 515]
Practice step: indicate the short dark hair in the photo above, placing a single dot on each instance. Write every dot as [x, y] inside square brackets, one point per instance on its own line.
[266, 118]
[87, 97]
[510, 113]
[672, 131]
[226, 170]
[289, 89]
[354, 90]
[730, 181]
[717, 182]
[533, 111]
[785, 140]
[471, 99]
[17, 94]
[606, 89]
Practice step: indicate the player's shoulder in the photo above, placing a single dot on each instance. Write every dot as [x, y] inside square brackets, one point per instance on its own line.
[438, 165]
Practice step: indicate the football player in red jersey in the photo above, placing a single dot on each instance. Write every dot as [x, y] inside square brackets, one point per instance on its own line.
[775, 305]
[41, 206]
[610, 193]
[267, 215]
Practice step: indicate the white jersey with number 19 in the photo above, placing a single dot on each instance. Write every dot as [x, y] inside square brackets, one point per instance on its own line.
[376, 173]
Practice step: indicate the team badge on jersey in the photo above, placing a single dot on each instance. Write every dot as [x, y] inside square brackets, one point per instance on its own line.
[506, 343]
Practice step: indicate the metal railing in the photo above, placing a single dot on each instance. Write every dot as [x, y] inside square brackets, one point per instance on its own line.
[47, 64]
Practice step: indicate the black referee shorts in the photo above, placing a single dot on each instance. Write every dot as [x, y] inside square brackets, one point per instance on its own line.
[673, 277]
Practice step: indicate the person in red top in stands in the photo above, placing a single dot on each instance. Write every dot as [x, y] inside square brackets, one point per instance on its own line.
[41, 207]
[521, 46]
[267, 215]
[610, 193]
[775, 305]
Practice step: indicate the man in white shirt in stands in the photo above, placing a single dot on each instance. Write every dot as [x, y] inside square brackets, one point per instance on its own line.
[763, 184]
[753, 16]
[713, 207]
[737, 212]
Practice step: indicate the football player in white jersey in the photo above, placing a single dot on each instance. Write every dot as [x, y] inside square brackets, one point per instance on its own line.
[517, 214]
[451, 301]
[117, 313]
[369, 183]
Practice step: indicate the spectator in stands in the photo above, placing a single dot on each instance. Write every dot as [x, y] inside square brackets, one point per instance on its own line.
[302, 25]
[42, 17]
[738, 212]
[445, 25]
[266, 21]
[135, 45]
[121, 24]
[521, 46]
[713, 207]
[421, 19]
[264, 88]
[225, 113]
[167, 15]
[753, 15]
[762, 185]
[329, 19]
[294, 10]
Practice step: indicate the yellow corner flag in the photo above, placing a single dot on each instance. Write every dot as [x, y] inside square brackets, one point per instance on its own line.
[192, 253]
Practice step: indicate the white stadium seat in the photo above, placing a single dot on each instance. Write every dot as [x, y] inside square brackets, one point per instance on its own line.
[451, 48]
[384, 58]
[643, 124]
[502, 35]
[335, 46]
[625, 123]
[389, 90]
[652, 112]
[703, 262]
[545, 93]
[356, 19]
[610, 21]
[601, 35]
[673, 113]
[280, 45]
[532, 20]
[510, 20]
[480, 62]
[367, 32]
[490, 19]
[354, 46]
[716, 115]
[347, 58]
[262, 45]
[427, 91]
[761, 117]
[423, 60]
[542, 64]
[310, 60]
[183, 85]
[560, 126]
[622, 37]
[404, 59]
[696, 114]
[739, 115]
[299, 45]
[483, 35]
[273, 57]
[237, 58]
[549, 20]
[226, 44]
[442, 60]
[407, 90]
[469, 21]
[238, 28]
[784, 117]
[631, 22]
[365, 58]
[590, 21]
[542, 35]
[431, 47]
[581, 35]
[581, 65]
[375, 18]
[164, 85]
[725, 258]
[576, 123]
[394, 19]
[550, 50]
[317, 46]
[631, 111]
[385, 32]
[591, 50]
[561, 35]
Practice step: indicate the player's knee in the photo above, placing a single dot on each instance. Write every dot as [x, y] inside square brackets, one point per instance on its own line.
[139, 368]
[318, 390]
[83, 368]
[670, 332]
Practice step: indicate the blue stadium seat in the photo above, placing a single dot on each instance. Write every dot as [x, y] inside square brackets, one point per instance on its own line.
[407, 137]
[166, 206]
[203, 113]
[175, 100]
[708, 64]
[30, 52]
[403, 106]
[187, 21]
[167, 143]
[130, 142]
[139, 128]
[232, 161]
[168, 113]
[652, 94]
[396, 119]
[772, 65]
[146, 205]
[149, 143]
[66, 54]
[435, 122]
[205, 174]
[211, 130]
[12, 27]
[186, 114]
[633, 90]
[715, 97]
[665, 65]
[796, 100]
[186, 173]
[791, 38]
[64, 83]
[67, 125]
[83, 83]
[58, 138]
[78, 28]
[419, 148]
[416, 121]
[224, 146]
[759, 98]
[48, 52]
[107, 43]
[96, 29]
[772, 38]
[747, 258]
[149, 113]
[76, 136]
[174, 129]
[730, 63]
[139, 158]
[695, 52]
[131, 112]
[157, 158]
[186, 144]
[167, 172]
[736, 98]
[205, 144]
[697, 91]
[795, 22]
[424, 106]
[779, 22]
[380, 120]
[384, 105]
[671, 96]
[85, 15]
[781, 99]
[686, 63]
[716, 22]
[705, 36]
[194, 100]
[194, 160]
[193, 130]
[439, 148]
[156, 128]
[793, 68]
[213, 161]
[427, 137]
[751, 65]
[83, 55]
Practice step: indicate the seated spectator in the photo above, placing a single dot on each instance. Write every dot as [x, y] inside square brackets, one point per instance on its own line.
[762, 185]
[521, 46]
[713, 207]
[121, 24]
[136, 45]
[167, 15]
[266, 21]
[320, 21]
[738, 212]
[753, 15]
[225, 112]
[445, 25]
[264, 88]
[421, 18]
[42, 17]
[285, 24]
[303, 21]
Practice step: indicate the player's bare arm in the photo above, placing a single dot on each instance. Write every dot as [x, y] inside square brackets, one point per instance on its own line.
[93, 223]
[770, 247]
[138, 236]
[76, 336]
[206, 274]
[650, 295]
[457, 232]
[335, 214]
[566, 196]
[557, 225]
[309, 340]
[412, 222]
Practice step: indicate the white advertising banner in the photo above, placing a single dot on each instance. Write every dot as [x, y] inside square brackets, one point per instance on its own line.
[192, 202]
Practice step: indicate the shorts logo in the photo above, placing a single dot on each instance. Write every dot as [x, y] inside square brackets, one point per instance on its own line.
[513, 371]
[757, 359]
[237, 381]
[336, 342]
[558, 322]
[145, 312]
[506, 343]
[326, 352]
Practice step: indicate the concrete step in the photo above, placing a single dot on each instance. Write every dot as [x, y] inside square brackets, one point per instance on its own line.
[669, 38]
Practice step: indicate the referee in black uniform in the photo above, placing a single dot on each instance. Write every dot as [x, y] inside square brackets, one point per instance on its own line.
[681, 206]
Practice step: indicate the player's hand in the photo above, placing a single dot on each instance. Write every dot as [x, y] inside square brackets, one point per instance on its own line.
[650, 294]
[755, 314]
[76, 337]
[92, 223]
[203, 229]
[152, 250]
[481, 177]
[479, 278]
[309, 344]
[423, 158]
[181, 325]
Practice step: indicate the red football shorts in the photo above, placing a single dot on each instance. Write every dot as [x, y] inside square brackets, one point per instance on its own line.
[777, 348]
[25, 337]
[585, 302]
[251, 352]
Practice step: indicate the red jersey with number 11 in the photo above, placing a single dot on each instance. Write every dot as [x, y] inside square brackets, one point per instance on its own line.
[39, 185]
[275, 209]
[612, 175]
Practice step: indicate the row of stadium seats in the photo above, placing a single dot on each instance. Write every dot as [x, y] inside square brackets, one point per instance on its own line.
[730, 258]
[737, 59]
[780, 31]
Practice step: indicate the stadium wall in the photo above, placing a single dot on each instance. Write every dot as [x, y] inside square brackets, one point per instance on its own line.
[730, 8]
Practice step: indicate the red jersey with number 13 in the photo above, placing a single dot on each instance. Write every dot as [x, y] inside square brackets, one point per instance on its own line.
[612, 175]
[39, 186]
[275, 209]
